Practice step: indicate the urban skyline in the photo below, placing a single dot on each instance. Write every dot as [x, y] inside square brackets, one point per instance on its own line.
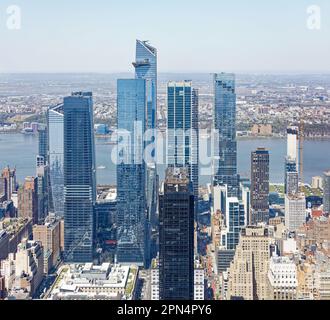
[180, 221]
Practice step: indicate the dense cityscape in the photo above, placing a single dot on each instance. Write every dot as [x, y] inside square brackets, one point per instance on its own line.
[164, 235]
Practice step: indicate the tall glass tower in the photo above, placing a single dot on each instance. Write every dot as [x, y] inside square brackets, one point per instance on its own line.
[146, 68]
[182, 125]
[79, 177]
[225, 124]
[131, 172]
[55, 127]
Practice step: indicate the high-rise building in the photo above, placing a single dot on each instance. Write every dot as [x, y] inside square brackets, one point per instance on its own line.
[259, 186]
[28, 200]
[79, 177]
[43, 142]
[291, 183]
[55, 127]
[282, 279]
[225, 124]
[146, 68]
[131, 172]
[176, 237]
[234, 223]
[42, 190]
[326, 192]
[11, 184]
[292, 144]
[182, 126]
[295, 211]
[248, 273]
[48, 235]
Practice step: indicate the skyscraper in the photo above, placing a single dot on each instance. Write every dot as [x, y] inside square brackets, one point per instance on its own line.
[225, 124]
[28, 200]
[11, 184]
[182, 126]
[146, 68]
[42, 174]
[291, 179]
[295, 211]
[79, 177]
[176, 237]
[326, 192]
[248, 273]
[55, 127]
[131, 172]
[259, 186]
[292, 144]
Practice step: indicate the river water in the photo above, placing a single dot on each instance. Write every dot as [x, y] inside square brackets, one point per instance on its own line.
[18, 150]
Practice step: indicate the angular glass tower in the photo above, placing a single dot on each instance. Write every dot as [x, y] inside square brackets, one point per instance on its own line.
[131, 172]
[55, 127]
[79, 177]
[182, 125]
[225, 124]
[146, 68]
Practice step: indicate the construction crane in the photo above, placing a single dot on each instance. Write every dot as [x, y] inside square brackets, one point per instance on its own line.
[301, 153]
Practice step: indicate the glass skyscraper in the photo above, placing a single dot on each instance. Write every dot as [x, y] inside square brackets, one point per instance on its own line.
[225, 125]
[182, 125]
[55, 127]
[79, 177]
[146, 68]
[131, 172]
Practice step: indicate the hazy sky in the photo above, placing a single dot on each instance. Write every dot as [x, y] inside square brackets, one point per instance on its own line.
[190, 35]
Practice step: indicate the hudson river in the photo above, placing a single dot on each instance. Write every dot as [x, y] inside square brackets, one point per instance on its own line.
[18, 150]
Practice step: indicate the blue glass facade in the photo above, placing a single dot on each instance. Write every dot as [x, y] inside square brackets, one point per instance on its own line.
[55, 128]
[79, 177]
[131, 172]
[225, 124]
[182, 125]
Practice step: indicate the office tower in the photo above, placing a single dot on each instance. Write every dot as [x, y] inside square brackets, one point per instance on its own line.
[295, 211]
[55, 127]
[11, 185]
[234, 223]
[291, 183]
[176, 237]
[292, 144]
[79, 177]
[131, 172]
[43, 142]
[182, 126]
[29, 265]
[246, 199]
[42, 190]
[225, 125]
[259, 186]
[28, 199]
[249, 270]
[146, 68]
[317, 183]
[48, 234]
[326, 192]
[3, 189]
[282, 279]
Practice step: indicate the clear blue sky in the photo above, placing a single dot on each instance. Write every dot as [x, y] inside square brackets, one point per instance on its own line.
[191, 35]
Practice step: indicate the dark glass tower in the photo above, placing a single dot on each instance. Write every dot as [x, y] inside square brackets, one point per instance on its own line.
[131, 172]
[79, 177]
[259, 186]
[225, 125]
[176, 237]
